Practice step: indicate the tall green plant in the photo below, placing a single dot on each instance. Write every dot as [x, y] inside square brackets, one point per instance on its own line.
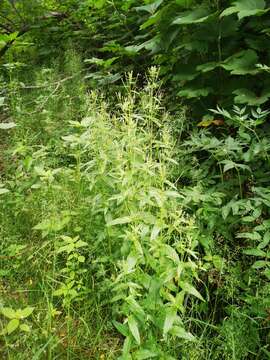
[150, 243]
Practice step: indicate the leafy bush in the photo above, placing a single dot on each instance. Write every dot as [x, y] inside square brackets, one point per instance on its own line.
[210, 52]
[228, 191]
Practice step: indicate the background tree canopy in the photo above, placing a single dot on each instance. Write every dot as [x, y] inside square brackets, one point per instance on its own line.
[209, 52]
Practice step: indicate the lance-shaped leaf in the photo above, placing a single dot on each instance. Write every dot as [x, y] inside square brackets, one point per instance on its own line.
[133, 327]
[190, 290]
[7, 126]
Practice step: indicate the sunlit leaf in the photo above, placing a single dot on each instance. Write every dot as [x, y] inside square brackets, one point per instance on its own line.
[169, 320]
[182, 333]
[133, 326]
[245, 8]
[8, 312]
[7, 126]
[12, 325]
[190, 289]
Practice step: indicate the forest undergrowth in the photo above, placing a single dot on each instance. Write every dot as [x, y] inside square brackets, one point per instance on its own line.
[123, 236]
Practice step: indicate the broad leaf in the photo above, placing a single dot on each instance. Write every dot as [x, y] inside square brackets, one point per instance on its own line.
[193, 17]
[245, 8]
[242, 63]
[246, 96]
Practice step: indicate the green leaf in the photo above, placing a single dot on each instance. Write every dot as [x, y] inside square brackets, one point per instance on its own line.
[260, 264]
[24, 328]
[190, 289]
[155, 232]
[134, 306]
[133, 326]
[246, 96]
[229, 165]
[248, 219]
[8, 313]
[169, 320]
[266, 240]
[249, 235]
[171, 253]
[245, 8]
[267, 273]
[22, 314]
[193, 17]
[12, 325]
[54, 224]
[7, 126]
[150, 8]
[242, 63]
[119, 221]
[143, 354]
[194, 92]
[151, 21]
[80, 244]
[182, 333]
[254, 252]
[208, 66]
[122, 328]
[3, 191]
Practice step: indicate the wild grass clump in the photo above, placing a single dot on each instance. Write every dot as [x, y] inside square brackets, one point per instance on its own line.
[101, 249]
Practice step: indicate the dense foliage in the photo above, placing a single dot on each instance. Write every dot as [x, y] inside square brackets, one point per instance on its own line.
[134, 179]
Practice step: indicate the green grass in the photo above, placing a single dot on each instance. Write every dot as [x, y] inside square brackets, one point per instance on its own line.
[102, 240]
